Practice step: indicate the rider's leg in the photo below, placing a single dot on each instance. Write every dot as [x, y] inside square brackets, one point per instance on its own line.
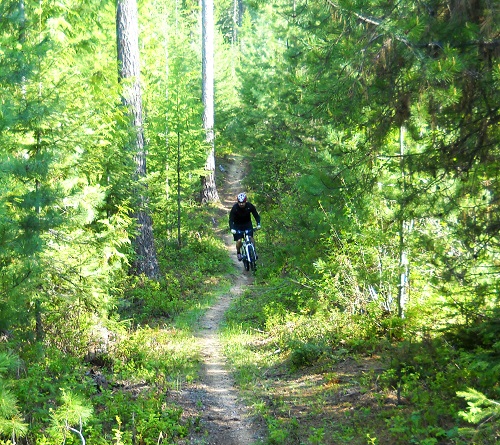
[238, 247]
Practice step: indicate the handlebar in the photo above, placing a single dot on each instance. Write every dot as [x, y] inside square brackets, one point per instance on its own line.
[246, 231]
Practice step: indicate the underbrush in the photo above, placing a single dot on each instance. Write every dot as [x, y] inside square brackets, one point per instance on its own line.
[190, 273]
[318, 375]
[117, 391]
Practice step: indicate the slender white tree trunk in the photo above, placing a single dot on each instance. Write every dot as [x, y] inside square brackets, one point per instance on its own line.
[403, 229]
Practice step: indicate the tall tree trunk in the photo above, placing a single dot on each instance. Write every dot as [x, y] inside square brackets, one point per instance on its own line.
[403, 227]
[39, 326]
[209, 188]
[237, 17]
[127, 30]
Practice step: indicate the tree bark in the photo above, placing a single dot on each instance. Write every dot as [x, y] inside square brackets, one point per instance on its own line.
[127, 31]
[208, 186]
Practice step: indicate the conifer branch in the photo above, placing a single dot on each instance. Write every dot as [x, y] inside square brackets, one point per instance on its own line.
[492, 44]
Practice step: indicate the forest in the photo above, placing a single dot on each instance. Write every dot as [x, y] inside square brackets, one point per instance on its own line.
[368, 135]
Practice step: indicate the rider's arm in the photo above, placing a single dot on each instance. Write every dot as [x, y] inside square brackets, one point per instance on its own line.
[231, 219]
[256, 215]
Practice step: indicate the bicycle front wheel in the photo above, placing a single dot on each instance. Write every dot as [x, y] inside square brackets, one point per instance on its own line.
[246, 258]
[252, 257]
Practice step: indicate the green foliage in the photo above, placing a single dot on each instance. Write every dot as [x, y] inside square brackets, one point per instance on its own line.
[155, 299]
[482, 411]
[281, 432]
[191, 270]
[63, 236]
[425, 376]
[325, 117]
[165, 424]
[322, 98]
[352, 161]
[155, 354]
[72, 412]
[177, 148]
[12, 423]
[306, 354]
[140, 417]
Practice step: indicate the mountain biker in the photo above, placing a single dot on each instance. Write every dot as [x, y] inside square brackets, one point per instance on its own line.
[240, 219]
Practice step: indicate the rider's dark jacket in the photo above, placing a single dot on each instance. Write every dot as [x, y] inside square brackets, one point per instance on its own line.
[240, 217]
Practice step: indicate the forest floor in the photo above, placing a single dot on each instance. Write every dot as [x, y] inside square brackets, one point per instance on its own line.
[213, 399]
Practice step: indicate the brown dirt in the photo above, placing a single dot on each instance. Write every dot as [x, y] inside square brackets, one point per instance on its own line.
[221, 419]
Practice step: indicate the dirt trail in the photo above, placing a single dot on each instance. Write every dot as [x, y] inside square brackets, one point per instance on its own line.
[223, 419]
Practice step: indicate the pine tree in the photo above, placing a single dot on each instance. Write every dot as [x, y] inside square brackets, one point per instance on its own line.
[177, 148]
[62, 236]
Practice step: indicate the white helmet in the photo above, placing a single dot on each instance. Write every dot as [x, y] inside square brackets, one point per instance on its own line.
[242, 197]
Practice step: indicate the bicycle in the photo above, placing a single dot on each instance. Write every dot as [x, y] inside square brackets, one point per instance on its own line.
[248, 252]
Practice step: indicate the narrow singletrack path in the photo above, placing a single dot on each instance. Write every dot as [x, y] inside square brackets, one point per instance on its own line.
[223, 420]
